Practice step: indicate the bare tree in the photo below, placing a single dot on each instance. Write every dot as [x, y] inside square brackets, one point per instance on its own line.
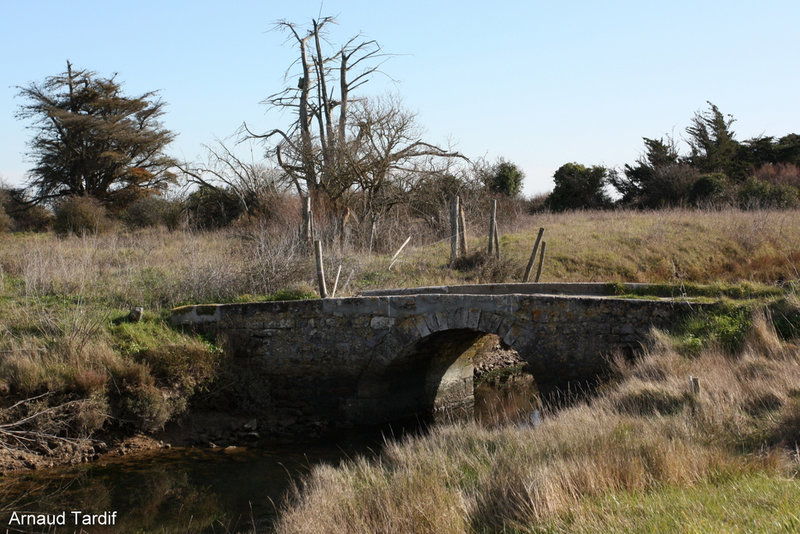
[225, 171]
[387, 158]
[340, 146]
[310, 150]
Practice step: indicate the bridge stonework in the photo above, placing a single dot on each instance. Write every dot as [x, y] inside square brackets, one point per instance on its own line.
[365, 360]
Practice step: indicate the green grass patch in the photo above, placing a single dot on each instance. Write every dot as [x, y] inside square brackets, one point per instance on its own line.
[175, 359]
[753, 503]
[726, 325]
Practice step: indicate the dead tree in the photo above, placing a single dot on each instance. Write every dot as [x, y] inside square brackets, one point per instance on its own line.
[339, 145]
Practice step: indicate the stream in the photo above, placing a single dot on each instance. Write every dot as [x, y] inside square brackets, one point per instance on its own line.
[200, 490]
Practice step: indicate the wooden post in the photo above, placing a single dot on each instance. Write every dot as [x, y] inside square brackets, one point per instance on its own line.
[399, 250]
[336, 282]
[462, 229]
[532, 260]
[492, 227]
[541, 261]
[308, 229]
[453, 230]
[694, 385]
[323, 291]
[371, 234]
[496, 242]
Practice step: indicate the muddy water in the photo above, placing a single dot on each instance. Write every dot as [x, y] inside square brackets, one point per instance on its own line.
[209, 490]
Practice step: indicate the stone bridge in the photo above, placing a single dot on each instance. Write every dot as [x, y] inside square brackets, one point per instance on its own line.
[391, 354]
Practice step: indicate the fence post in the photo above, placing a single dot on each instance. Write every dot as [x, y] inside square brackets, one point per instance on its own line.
[532, 260]
[492, 227]
[323, 291]
[453, 230]
[462, 228]
[541, 261]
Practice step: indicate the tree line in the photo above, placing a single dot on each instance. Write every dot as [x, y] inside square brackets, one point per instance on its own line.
[358, 158]
[98, 152]
[717, 170]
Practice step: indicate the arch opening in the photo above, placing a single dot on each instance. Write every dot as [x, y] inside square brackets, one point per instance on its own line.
[505, 390]
[436, 378]
[434, 375]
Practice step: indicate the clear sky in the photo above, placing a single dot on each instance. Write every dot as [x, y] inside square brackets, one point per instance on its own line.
[537, 83]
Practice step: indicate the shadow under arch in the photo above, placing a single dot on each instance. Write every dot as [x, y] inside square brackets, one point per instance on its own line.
[424, 366]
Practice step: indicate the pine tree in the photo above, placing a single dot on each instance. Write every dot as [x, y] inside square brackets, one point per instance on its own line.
[92, 140]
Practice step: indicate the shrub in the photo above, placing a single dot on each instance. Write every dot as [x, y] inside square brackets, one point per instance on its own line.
[5, 221]
[709, 189]
[506, 179]
[152, 211]
[146, 407]
[580, 187]
[32, 219]
[210, 208]
[23, 216]
[724, 326]
[80, 215]
[755, 193]
[670, 185]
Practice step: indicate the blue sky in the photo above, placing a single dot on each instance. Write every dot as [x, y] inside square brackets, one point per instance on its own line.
[537, 83]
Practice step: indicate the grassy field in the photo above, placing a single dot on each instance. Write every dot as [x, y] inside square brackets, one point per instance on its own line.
[644, 455]
[72, 365]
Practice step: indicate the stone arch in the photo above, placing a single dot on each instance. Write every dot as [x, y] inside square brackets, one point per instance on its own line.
[424, 363]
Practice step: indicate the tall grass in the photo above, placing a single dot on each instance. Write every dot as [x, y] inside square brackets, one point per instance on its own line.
[646, 434]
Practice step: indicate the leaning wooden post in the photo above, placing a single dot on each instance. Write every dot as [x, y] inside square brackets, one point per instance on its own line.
[532, 260]
[323, 291]
[336, 282]
[492, 227]
[399, 250]
[541, 261]
[453, 230]
[462, 228]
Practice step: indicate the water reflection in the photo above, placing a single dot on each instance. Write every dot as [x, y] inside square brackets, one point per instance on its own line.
[180, 490]
[219, 490]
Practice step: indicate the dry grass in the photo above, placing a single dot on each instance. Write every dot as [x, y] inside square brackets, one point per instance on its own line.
[161, 269]
[58, 296]
[645, 434]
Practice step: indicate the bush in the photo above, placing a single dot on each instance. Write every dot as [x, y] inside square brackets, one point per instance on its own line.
[211, 208]
[537, 203]
[710, 189]
[32, 219]
[725, 326]
[21, 215]
[506, 179]
[147, 408]
[670, 185]
[80, 215]
[153, 211]
[755, 193]
[6, 223]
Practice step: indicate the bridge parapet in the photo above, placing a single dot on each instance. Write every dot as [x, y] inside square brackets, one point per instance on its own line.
[359, 360]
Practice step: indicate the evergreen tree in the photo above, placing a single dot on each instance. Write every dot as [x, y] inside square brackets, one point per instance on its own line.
[712, 143]
[91, 140]
[579, 187]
